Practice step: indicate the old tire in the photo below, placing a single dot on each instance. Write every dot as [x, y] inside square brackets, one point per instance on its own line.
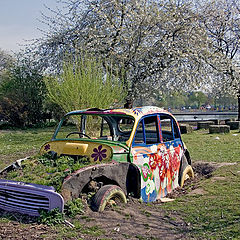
[105, 195]
[186, 174]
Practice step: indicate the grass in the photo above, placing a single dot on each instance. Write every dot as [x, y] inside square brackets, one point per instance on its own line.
[205, 147]
[215, 215]
[17, 144]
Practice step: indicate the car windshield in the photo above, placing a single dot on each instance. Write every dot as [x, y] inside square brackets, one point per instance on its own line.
[106, 127]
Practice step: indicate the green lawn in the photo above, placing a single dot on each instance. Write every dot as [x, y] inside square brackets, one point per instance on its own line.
[205, 147]
[17, 144]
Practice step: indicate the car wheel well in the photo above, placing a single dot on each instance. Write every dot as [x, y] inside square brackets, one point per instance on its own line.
[95, 184]
[187, 155]
[133, 181]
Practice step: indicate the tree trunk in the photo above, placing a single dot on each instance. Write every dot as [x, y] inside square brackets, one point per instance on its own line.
[239, 105]
[128, 104]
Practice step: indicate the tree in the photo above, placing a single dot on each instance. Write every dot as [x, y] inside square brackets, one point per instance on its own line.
[159, 44]
[22, 94]
[84, 83]
[221, 18]
[6, 61]
[197, 99]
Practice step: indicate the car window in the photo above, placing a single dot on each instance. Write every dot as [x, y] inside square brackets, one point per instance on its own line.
[84, 126]
[125, 125]
[147, 131]
[169, 128]
[139, 137]
[175, 128]
[151, 130]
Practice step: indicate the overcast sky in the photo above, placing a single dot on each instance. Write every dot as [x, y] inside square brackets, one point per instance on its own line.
[18, 21]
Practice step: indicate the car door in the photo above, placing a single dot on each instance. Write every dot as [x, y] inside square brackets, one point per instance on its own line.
[157, 149]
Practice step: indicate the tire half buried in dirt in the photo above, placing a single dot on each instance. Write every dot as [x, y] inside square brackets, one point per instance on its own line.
[187, 173]
[105, 195]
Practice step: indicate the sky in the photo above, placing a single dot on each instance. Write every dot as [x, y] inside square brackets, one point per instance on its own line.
[19, 21]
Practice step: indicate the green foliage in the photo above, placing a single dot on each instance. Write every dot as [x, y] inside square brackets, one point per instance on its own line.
[14, 111]
[46, 171]
[51, 218]
[22, 93]
[175, 100]
[73, 208]
[196, 99]
[83, 84]
[179, 99]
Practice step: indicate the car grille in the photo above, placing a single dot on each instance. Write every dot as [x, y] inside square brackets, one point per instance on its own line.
[28, 198]
[23, 201]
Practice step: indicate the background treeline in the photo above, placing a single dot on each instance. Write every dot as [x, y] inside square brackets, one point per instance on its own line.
[192, 101]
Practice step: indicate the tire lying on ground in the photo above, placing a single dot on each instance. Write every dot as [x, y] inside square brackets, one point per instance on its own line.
[107, 195]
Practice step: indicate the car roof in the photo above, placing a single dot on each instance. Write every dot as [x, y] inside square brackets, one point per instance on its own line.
[136, 112]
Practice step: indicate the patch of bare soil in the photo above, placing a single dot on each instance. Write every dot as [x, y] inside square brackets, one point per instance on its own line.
[21, 227]
[202, 170]
[15, 231]
[137, 220]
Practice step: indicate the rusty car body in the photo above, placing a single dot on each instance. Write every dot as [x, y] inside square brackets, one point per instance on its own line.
[137, 152]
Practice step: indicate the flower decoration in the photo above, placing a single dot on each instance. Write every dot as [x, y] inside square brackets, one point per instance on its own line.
[155, 161]
[146, 174]
[99, 153]
[47, 147]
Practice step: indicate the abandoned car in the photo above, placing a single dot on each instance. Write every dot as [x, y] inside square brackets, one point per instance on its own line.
[132, 152]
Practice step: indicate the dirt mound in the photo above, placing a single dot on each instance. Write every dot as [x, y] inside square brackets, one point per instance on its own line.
[201, 170]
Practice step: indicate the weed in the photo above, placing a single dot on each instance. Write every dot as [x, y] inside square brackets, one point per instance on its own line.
[93, 231]
[126, 236]
[46, 171]
[51, 218]
[87, 218]
[73, 208]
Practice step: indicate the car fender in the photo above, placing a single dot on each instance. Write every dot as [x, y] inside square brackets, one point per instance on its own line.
[125, 175]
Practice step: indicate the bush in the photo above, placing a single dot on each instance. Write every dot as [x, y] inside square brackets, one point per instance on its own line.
[22, 93]
[14, 111]
[85, 83]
